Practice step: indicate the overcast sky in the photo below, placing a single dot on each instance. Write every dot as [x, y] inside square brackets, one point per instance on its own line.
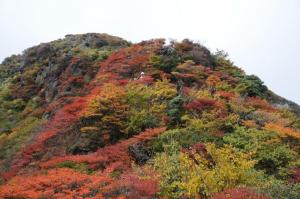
[261, 36]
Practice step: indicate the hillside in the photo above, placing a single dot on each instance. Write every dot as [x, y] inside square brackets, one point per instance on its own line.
[96, 116]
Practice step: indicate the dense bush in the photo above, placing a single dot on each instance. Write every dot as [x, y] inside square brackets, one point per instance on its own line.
[251, 86]
[109, 112]
[165, 62]
[149, 105]
[282, 190]
[184, 137]
[273, 158]
[175, 109]
[248, 139]
[198, 174]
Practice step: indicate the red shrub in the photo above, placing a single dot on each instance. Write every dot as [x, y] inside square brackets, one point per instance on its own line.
[186, 90]
[67, 183]
[200, 148]
[239, 193]
[147, 79]
[200, 104]
[142, 187]
[123, 82]
[295, 177]
[218, 133]
[225, 95]
[186, 76]
[57, 183]
[127, 62]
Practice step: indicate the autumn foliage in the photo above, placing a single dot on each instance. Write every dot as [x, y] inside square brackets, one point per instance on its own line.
[95, 116]
[109, 154]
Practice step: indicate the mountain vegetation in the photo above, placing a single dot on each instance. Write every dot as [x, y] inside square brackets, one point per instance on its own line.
[95, 116]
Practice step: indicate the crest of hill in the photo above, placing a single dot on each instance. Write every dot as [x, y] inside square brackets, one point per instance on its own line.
[43, 65]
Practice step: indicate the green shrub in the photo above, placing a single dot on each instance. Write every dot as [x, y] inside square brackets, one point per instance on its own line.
[104, 55]
[296, 124]
[248, 139]
[175, 108]
[5, 92]
[148, 105]
[281, 190]
[252, 86]
[141, 120]
[273, 158]
[184, 137]
[165, 62]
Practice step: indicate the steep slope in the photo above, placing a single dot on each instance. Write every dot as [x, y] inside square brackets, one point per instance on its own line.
[94, 116]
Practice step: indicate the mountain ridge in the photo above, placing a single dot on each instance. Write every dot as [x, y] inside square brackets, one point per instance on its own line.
[83, 39]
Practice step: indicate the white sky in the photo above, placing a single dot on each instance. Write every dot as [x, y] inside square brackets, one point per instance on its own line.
[261, 36]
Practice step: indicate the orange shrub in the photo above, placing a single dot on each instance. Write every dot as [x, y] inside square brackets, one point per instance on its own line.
[259, 103]
[225, 94]
[57, 183]
[213, 80]
[250, 123]
[283, 131]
